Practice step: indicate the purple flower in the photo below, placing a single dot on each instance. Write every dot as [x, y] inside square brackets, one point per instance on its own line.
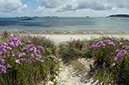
[13, 54]
[22, 59]
[29, 41]
[15, 38]
[8, 66]
[38, 56]
[9, 48]
[35, 49]
[1, 47]
[125, 51]
[17, 61]
[2, 60]
[32, 55]
[20, 55]
[1, 52]
[111, 43]
[4, 50]
[38, 51]
[2, 69]
[117, 50]
[4, 45]
[92, 46]
[12, 44]
[29, 60]
[17, 42]
[116, 58]
[120, 54]
[40, 48]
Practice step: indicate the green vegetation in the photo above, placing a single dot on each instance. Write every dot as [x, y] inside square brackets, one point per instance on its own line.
[28, 60]
[110, 55]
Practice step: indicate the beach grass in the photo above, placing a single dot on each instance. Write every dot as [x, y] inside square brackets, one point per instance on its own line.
[110, 55]
[28, 60]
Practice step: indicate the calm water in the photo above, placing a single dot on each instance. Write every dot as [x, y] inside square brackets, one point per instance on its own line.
[63, 23]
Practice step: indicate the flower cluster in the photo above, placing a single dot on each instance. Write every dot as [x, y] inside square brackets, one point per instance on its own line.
[103, 43]
[20, 53]
[14, 42]
[3, 67]
[122, 52]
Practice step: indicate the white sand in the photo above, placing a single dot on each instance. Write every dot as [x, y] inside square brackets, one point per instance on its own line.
[63, 38]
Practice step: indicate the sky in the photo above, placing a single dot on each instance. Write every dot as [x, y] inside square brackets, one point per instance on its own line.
[63, 8]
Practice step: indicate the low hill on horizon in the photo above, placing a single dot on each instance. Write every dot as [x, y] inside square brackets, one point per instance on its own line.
[119, 15]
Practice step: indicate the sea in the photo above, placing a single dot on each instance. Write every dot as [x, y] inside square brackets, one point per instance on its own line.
[64, 24]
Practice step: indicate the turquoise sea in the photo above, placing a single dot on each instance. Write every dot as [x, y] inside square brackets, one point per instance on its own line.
[65, 24]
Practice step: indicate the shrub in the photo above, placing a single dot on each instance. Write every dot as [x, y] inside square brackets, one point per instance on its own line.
[111, 62]
[25, 63]
[71, 50]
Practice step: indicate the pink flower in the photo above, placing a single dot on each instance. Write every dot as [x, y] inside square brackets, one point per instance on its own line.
[17, 61]
[120, 43]
[23, 54]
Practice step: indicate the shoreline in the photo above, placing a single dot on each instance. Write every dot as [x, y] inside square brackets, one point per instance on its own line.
[63, 36]
[73, 32]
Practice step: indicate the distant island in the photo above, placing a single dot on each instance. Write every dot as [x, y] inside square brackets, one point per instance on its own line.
[118, 16]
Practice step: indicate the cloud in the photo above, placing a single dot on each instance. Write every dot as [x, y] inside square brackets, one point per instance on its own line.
[11, 5]
[74, 5]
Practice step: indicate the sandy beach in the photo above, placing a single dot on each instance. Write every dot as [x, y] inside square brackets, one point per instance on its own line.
[62, 36]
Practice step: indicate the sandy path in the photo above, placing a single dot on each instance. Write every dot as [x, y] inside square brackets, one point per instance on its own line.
[68, 76]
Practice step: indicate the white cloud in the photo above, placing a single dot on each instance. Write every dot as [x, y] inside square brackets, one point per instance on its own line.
[74, 5]
[23, 7]
[11, 5]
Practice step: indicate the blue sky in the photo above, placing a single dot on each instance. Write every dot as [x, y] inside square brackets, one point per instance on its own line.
[63, 8]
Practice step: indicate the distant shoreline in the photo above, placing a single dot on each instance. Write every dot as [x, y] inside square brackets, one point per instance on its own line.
[118, 16]
[73, 32]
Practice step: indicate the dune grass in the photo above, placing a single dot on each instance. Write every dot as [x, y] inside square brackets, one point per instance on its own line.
[110, 55]
[28, 60]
